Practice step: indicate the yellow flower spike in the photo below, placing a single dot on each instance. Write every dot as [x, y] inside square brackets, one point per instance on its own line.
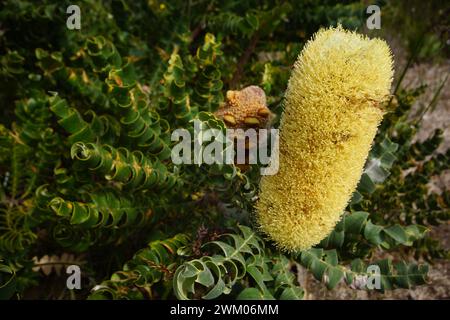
[333, 106]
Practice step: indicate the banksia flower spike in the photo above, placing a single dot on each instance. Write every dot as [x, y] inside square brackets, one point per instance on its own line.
[333, 107]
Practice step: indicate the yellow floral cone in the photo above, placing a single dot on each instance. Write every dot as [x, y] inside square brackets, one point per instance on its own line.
[333, 107]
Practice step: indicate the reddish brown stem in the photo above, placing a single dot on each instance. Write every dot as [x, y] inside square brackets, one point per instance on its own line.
[243, 60]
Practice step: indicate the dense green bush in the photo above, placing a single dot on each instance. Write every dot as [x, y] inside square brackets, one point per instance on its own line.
[85, 170]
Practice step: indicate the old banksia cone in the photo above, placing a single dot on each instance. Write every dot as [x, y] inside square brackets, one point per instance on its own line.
[333, 106]
[246, 108]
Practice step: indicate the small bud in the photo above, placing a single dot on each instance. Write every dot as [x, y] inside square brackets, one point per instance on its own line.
[264, 112]
[251, 121]
[229, 119]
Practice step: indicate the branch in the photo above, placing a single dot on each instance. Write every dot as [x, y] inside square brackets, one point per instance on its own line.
[243, 60]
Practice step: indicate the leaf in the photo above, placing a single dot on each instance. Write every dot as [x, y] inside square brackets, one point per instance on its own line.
[7, 282]
[216, 291]
[354, 222]
[228, 265]
[358, 266]
[318, 268]
[331, 257]
[205, 277]
[356, 198]
[366, 184]
[252, 20]
[334, 275]
[397, 233]
[292, 293]
[373, 233]
[257, 276]
[250, 294]
[149, 266]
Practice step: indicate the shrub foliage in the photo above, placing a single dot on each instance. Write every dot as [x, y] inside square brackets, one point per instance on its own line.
[85, 165]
